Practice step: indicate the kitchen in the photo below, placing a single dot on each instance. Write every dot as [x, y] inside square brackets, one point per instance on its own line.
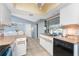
[65, 36]
[53, 28]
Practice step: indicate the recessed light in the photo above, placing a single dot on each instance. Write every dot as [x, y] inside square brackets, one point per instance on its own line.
[30, 14]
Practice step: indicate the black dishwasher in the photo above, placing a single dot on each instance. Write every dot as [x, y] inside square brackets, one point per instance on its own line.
[62, 46]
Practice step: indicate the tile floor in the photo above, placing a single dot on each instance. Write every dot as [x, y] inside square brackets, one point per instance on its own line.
[34, 48]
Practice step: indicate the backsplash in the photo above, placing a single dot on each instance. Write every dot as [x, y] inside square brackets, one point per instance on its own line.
[70, 31]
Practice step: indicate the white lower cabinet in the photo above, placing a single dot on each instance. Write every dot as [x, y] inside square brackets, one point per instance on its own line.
[47, 45]
[19, 47]
[13, 48]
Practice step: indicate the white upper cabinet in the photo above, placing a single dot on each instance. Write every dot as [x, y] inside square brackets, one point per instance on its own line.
[69, 14]
[4, 14]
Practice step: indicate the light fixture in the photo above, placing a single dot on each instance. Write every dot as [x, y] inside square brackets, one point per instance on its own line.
[30, 14]
[40, 5]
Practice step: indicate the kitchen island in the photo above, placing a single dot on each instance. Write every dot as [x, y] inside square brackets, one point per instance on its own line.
[7, 40]
[70, 39]
[12, 42]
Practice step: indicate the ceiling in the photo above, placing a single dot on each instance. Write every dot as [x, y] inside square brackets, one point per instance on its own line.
[33, 11]
[37, 8]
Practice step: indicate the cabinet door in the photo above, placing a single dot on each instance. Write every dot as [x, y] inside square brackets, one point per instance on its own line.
[47, 45]
[42, 42]
[69, 14]
[20, 46]
[13, 49]
[53, 22]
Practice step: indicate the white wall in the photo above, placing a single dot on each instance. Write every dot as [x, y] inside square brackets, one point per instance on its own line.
[70, 14]
[5, 14]
[28, 30]
[34, 31]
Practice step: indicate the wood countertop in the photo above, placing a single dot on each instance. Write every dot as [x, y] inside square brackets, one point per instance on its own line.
[47, 37]
[71, 39]
[6, 40]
